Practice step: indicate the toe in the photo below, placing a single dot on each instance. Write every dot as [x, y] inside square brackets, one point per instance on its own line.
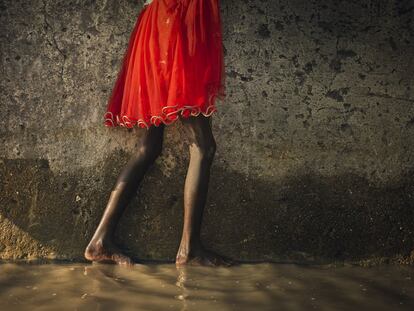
[121, 259]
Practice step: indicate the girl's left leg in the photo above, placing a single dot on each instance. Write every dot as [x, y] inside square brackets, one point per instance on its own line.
[202, 150]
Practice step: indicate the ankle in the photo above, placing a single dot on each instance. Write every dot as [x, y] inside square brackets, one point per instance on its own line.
[189, 248]
[102, 236]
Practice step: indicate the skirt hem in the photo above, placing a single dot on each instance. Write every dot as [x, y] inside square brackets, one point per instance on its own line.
[168, 116]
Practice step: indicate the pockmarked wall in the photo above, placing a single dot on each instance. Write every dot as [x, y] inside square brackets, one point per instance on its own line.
[315, 140]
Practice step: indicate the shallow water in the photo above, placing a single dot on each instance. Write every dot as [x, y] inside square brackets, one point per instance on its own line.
[244, 287]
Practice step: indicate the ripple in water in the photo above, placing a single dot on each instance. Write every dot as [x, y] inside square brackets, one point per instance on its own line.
[165, 287]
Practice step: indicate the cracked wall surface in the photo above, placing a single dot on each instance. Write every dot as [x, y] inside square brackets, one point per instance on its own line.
[315, 139]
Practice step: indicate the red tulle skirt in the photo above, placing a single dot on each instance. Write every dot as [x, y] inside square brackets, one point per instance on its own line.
[173, 66]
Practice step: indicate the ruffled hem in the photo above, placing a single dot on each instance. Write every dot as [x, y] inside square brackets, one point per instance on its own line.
[168, 116]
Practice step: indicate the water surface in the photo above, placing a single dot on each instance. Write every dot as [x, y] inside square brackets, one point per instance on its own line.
[244, 287]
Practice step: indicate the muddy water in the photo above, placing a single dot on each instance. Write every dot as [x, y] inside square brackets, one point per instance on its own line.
[245, 287]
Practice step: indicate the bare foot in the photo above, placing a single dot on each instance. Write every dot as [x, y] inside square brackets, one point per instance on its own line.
[203, 257]
[108, 253]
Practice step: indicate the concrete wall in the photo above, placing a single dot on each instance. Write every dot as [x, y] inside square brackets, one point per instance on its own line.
[315, 139]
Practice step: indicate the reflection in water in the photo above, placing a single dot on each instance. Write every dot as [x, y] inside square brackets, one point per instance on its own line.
[165, 287]
[181, 281]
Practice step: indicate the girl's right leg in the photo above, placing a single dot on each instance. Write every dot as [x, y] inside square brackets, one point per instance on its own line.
[102, 247]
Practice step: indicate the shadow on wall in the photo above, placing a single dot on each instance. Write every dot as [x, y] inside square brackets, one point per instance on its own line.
[303, 218]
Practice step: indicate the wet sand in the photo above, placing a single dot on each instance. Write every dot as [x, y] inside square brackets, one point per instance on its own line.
[164, 287]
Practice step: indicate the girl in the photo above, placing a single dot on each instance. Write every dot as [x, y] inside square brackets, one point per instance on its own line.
[173, 69]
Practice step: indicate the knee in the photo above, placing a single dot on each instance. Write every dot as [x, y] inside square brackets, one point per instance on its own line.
[150, 152]
[207, 151]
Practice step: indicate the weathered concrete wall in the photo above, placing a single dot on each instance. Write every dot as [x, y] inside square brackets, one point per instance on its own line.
[315, 140]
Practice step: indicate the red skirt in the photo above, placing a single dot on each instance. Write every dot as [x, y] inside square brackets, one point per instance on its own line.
[173, 66]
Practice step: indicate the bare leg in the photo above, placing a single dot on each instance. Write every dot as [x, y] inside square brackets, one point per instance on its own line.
[202, 150]
[101, 247]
